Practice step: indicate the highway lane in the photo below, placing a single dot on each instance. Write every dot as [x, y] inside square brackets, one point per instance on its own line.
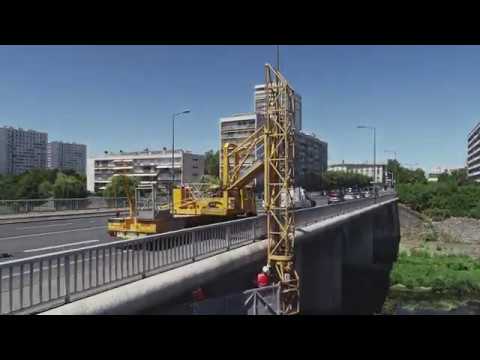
[40, 237]
[35, 238]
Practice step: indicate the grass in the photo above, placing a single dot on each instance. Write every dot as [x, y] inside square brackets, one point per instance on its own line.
[442, 273]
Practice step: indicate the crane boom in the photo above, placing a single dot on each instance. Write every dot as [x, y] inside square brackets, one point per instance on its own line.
[279, 155]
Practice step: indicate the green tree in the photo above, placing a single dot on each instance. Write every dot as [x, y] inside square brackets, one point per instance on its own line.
[28, 184]
[212, 165]
[45, 189]
[67, 187]
[332, 180]
[459, 177]
[119, 187]
[7, 187]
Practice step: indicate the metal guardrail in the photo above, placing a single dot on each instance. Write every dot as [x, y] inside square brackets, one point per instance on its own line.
[10, 207]
[37, 283]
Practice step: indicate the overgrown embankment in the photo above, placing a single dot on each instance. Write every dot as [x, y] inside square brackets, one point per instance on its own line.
[442, 200]
[439, 263]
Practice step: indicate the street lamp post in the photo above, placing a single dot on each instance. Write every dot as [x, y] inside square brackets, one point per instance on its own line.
[374, 156]
[173, 153]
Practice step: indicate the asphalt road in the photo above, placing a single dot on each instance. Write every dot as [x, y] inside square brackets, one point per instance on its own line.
[36, 238]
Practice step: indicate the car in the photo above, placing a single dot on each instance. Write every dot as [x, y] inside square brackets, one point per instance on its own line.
[349, 196]
[366, 194]
[334, 197]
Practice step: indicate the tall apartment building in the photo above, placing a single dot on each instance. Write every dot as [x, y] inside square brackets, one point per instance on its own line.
[260, 106]
[311, 156]
[311, 153]
[364, 169]
[473, 157]
[22, 150]
[235, 129]
[150, 167]
[66, 156]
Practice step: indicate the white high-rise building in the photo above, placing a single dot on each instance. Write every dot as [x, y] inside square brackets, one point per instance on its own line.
[260, 106]
[473, 157]
[151, 167]
[65, 156]
[22, 150]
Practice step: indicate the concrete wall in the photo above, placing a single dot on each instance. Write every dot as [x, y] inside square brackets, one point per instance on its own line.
[344, 268]
[343, 262]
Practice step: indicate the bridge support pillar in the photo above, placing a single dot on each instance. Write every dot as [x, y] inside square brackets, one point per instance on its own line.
[319, 263]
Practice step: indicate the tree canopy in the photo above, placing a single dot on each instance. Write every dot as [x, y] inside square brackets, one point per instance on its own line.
[120, 186]
[405, 176]
[212, 163]
[332, 180]
[43, 184]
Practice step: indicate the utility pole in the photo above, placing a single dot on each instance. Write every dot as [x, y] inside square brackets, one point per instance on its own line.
[374, 157]
[173, 153]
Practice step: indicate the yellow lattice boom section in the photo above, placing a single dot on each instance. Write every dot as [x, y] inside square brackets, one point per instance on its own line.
[279, 155]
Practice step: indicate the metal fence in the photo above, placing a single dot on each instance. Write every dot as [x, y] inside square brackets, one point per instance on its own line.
[11, 207]
[37, 283]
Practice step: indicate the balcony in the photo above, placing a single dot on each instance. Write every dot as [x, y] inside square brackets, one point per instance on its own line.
[169, 166]
[472, 161]
[144, 174]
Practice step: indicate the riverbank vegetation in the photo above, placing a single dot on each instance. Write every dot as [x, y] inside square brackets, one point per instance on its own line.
[453, 195]
[419, 269]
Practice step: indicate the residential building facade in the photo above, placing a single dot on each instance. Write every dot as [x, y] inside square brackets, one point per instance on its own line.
[311, 156]
[234, 130]
[66, 156]
[473, 151]
[22, 150]
[150, 167]
[380, 175]
[260, 106]
[311, 153]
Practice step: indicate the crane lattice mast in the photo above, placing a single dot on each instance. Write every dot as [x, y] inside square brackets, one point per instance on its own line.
[279, 155]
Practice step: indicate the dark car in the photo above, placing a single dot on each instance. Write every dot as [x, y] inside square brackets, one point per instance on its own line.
[334, 197]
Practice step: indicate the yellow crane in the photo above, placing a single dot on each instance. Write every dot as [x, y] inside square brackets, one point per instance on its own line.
[235, 196]
[279, 154]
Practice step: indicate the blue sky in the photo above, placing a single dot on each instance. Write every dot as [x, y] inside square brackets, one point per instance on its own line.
[423, 100]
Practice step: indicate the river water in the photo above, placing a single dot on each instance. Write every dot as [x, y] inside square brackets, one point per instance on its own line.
[470, 308]
[430, 303]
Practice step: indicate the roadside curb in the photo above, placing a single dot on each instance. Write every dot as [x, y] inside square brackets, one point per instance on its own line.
[52, 217]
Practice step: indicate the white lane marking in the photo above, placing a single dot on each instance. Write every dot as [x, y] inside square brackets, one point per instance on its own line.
[60, 246]
[39, 226]
[51, 233]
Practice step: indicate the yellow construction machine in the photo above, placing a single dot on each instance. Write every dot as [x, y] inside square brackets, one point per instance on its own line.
[197, 204]
[235, 197]
[147, 215]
